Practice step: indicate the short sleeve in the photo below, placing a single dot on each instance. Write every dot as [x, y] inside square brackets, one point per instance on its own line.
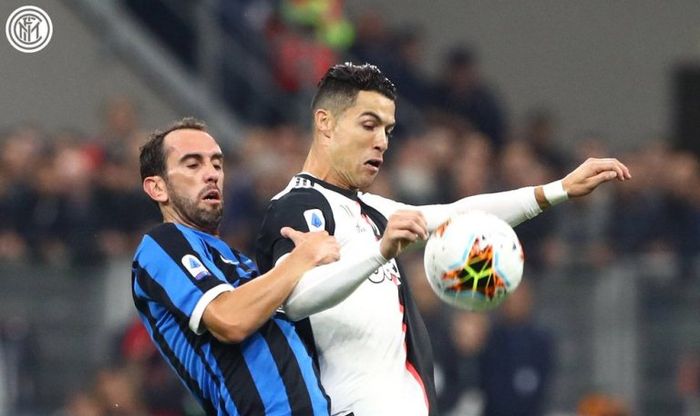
[303, 209]
[169, 270]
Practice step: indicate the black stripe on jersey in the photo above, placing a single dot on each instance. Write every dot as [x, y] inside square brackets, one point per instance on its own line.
[243, 265]
[176, 246]
[151, 287]
[419, 352]
[228, 356]
[288, 367]
[418, 348]
[379, 220]
[306, 334]
[288, 210]
[228, 269]
[239, 381]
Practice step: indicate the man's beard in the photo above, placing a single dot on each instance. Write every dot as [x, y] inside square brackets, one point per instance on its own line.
[206, 219]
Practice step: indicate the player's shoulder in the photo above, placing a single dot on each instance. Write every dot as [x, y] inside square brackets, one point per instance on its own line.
[155, 240]
[302, 205]
[164, 231]
[301, 192]
[298, 188]
[173, 239]
[159, 235]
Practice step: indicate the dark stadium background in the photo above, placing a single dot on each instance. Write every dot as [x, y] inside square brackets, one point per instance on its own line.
[493, 96]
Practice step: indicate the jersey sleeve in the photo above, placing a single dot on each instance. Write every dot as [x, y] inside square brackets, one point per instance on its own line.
[303, 209]
[513, 207]
[177, 274]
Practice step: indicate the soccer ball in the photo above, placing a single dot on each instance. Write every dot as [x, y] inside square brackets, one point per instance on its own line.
[473, 261]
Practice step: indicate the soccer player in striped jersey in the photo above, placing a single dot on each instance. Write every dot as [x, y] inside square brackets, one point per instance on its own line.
[357, 314]
[207, 309]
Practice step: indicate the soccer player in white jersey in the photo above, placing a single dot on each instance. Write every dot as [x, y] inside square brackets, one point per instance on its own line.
[356, 315]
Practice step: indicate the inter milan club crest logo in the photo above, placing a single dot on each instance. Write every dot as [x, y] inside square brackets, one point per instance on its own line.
[29, 29]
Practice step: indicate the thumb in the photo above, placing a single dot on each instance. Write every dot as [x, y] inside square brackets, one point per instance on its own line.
[292, 234]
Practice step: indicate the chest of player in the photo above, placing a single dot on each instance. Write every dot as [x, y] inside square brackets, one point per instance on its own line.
[352, 223]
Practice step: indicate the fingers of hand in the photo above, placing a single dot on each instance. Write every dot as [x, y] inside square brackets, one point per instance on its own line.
[412, 221]
[332, 252]
[292, 234]
[326, 247]
[622, 172]
[406, 236]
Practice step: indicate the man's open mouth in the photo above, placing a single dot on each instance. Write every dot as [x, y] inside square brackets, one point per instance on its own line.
[212, 195]
[376, 163]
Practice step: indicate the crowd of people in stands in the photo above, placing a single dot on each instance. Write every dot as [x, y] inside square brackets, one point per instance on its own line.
[74, 198]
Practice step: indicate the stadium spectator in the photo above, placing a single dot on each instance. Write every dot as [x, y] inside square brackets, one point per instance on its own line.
[517, 361]
[469, 333]
[461, 91]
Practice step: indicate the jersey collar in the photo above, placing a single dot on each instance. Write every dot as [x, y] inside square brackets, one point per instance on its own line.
[346, 192]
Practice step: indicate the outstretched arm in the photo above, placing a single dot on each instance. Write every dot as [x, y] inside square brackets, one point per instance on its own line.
[522, 204]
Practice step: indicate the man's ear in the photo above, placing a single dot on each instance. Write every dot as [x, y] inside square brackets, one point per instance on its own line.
[324, 122]
[155, 188]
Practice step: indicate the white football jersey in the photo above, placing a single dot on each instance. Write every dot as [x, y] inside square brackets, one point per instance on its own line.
[372, 348]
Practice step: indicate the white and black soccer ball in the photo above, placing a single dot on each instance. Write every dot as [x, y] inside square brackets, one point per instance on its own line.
[474, 261]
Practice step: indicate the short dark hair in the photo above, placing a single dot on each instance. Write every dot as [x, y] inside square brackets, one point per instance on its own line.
[152, 157]
[338, 88]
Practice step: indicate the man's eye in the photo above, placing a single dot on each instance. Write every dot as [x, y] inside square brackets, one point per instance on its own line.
[368, 127]
[217, 167]
[192, 166]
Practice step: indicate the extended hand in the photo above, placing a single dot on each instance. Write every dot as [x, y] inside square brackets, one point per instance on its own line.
[404, 227]
[316, 247]
[591, 173]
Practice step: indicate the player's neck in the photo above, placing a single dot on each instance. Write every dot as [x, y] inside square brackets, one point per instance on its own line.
[317, 165]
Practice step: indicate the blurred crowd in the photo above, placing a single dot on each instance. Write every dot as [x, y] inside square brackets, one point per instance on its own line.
[74, 198]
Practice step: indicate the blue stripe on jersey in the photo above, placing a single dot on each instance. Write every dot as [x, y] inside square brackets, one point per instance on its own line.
[181, 291]
[257, 355]
[319, 401]
[246, 270]
[172, 344]
[227, 379]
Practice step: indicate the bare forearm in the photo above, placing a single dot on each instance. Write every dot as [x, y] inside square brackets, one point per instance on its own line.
[234, 315]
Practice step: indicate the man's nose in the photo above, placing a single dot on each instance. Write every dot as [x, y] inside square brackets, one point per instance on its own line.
[382, 141]
[212, 174]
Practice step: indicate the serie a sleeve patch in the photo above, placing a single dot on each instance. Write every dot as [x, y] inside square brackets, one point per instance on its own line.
[315, 219]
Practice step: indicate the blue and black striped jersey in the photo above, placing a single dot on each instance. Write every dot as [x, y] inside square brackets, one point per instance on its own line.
[176, 272]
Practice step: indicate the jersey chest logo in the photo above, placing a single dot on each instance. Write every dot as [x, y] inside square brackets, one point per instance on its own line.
[388, 272]
[363, 223]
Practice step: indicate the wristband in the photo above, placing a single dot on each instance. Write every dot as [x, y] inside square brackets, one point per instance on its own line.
[554, 192]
